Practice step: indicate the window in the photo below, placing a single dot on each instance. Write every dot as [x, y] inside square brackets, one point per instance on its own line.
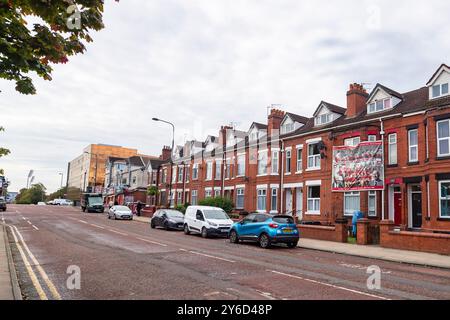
[228, 169]
[172, 199]
[443, 136]
[323, 119]
[440, 90]
[392, 141]
[179, 197]
[187, 175]
[275, 162]
[134, 180]
[174, 174]
[380, 105]
[195, 171]
[208, 193]
[164, 176]
[444, 197]
[194, 197]
[413, 146]
[261, 203]
[372, 204]
[217, 193]
[314, 199]
[372, 137]
[240, 198]
[299, 160]
[241, 165]
[209, 171]
[180, 174]
[262, 162]
[288, 161]
[313, 156]
[351, 203]
[352, 142]
[218, 174]
[274, 200]
[287, 127]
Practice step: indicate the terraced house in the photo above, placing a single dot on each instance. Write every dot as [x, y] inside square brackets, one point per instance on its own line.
[285, 166]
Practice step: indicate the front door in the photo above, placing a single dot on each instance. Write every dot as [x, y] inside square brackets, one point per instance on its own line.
[397, 206]
[416, 206]
[289, 201]
[299, 201]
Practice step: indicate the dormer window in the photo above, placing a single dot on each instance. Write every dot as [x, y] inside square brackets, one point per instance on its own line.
[288, 127]
[254, 136]
[323, 119]
[380, 105]
[440, 90]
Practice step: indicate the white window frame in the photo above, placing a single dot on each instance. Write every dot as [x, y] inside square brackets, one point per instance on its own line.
[299, 160]
[392, 144]
[195, 171]
[441, 94]
[288, 168]
[209, 173]
[217, 193]
[240, 192]
[313, 157]
[208, 194]
[372, 194]
[180, 174]
[440, 198]
[315, 209]
[179, 197]
[274, 196]
[323, 119]
[352, 142]
[275, 162]
[372, 137]
[374, 106]
[262, 168]
[261, 193]
[218, 172]
[348, 195]
[194, 195]
[241, 165]
[440, 154]
[410, 146]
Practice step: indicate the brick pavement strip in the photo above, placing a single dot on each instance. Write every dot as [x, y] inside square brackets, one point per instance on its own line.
[9, 287]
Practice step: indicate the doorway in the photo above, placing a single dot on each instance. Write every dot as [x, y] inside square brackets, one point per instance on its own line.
[396, 204]
[299, 202]
[415, 206]
[289, 201]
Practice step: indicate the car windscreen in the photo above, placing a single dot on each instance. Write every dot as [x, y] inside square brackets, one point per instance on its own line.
[174, 214]
[283, 220]
[95, 201]
[215, 214]
[122, 208]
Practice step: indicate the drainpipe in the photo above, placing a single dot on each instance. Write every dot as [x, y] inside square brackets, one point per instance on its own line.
[384, 169]
[282, 177]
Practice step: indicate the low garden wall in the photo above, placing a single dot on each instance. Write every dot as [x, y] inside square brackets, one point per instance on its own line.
[336, 233]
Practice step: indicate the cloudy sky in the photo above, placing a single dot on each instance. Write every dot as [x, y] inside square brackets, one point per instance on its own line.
[207, 63]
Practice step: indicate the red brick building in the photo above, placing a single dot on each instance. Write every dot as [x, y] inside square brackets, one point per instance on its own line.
[285, 166]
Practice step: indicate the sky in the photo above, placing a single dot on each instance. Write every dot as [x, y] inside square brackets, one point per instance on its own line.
[202, 64]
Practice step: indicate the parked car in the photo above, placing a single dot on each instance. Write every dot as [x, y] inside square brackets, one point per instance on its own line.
[41, 203]
[266, 230]
[120, 212]
[168, 219]
[207, 221]
[60, 202]
[2, 204]
[92, 202]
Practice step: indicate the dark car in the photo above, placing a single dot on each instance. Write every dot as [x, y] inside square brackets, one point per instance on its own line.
[2, 204]
[168, 219]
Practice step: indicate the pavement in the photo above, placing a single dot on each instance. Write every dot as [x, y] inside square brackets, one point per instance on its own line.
[377, 252]
[6, 287]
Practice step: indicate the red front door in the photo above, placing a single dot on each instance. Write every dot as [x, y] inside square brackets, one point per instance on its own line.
[397, 208]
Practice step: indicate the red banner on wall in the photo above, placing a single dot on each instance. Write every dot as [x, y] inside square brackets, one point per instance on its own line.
[358, 168]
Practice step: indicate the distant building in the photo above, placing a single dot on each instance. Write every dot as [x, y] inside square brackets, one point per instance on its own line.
[82, 174]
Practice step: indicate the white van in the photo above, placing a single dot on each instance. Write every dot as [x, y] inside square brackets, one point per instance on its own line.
[207, 221]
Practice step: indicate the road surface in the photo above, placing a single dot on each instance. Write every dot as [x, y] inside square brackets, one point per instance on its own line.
[128, 260]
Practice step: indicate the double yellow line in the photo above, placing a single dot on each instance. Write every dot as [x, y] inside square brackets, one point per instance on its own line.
[22, 247]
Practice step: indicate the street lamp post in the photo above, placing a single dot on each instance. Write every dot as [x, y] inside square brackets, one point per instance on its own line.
[171, 153]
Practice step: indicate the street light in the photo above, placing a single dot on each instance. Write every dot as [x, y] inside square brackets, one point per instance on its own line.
[171, 153]
[96, 165]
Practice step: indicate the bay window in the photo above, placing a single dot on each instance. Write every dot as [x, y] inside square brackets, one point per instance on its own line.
[241, 165]
[313, 199]
[444, 199]
[194, 197]
[313, 156]
[240, 198]
[261, 201]
[262, 162]
[443, 137]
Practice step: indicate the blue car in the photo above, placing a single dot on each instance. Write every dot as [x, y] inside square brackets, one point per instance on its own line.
[266, 230]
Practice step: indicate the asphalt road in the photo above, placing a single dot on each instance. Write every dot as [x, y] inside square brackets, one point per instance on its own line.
[128, 260]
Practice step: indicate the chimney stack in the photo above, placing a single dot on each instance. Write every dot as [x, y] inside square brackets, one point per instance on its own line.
[223, 134]
[356, 100]
[274, 120]
[166, 153]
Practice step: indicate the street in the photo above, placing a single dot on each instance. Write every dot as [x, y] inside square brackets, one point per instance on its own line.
[128, 260]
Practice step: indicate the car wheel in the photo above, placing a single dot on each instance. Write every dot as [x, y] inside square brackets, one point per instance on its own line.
[114, 217]
[152, 225]
[83, 209]
[166, 226]
[264, 241]
[204, 233]
[186, 229]
[109, 217]
[234, 237]
[292, 244]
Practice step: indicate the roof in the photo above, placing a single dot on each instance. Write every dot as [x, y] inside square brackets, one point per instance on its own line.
[437, 72]
[386, 89]
[297, 117]
[259, 126]
[332, 107]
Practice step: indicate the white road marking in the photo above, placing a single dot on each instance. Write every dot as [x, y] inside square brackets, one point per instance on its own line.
[183, 250]
[29, 222]
[42, 272]
[82, 221]
[329, 285]
[266, 295]
[213, 257]
[35, 227]
[30, 271]
[118, 232]
[154, 242]
[24, 218]
[97, 226]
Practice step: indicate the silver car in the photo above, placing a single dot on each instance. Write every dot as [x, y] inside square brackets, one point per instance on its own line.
[120, 212]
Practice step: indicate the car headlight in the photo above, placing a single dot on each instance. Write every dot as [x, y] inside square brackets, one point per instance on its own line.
[212, 224]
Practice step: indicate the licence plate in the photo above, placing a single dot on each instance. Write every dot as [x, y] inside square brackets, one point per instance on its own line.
[288, 230]
[224, 230]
